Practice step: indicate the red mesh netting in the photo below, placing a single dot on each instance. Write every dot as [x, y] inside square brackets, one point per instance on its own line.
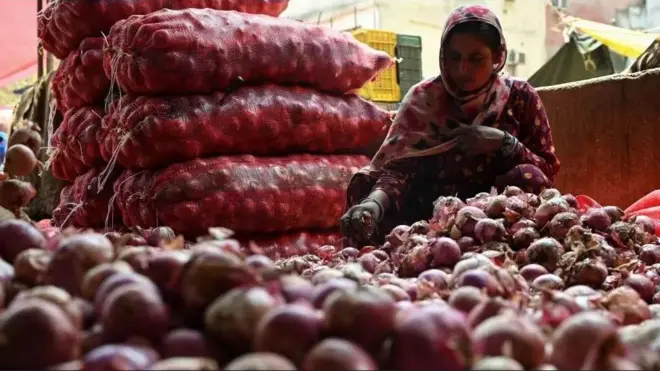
[198, 51]
[82, 206]
[147, 132]
[286, 245]
[80, 81]
[242, 193]
[65, 23]
[75, 144]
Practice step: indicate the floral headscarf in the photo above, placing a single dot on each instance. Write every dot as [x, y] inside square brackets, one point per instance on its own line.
[429, 112]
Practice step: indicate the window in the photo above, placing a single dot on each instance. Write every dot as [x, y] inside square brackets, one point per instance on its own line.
[561, 4]
[521, 58]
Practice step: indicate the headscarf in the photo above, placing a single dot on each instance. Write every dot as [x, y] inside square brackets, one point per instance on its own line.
[430, 111]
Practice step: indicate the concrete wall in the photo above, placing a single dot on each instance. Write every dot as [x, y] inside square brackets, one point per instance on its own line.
[606, 133]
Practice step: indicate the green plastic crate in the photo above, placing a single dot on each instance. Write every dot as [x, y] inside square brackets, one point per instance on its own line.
[409, 68]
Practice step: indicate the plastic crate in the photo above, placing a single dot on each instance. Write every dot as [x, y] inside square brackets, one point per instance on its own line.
[385, 87]
[409, 68]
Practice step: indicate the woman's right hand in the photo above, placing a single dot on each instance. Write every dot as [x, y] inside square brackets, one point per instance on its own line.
[360, 221]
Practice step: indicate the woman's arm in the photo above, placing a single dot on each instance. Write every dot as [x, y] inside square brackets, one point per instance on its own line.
[534, 144]
[392, 185]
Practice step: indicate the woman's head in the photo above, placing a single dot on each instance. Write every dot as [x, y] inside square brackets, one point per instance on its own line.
[473, 49]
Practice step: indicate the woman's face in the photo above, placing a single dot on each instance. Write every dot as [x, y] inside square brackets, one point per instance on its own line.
[469, 61]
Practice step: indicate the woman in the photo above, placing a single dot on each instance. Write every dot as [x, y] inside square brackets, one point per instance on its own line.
[457, 134]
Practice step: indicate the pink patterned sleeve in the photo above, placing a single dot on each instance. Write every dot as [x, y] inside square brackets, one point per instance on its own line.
[535, 145]
[395, 179]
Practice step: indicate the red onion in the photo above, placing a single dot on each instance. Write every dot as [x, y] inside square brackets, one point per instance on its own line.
[650, 254]
[585, 341]
[116, 281]
[291, 331]
[615, 213]
[350, 253]
[185, 343]
[365, 316]
[445, 209]
[436, 277]
[369, 262]
[548, 210]
[37, 334]
[571, 200]
[322, 291]
[75, 256]
[117, 357]
[421, 227]
[496, 207]
[511, 191]
[546, 252]
[97, 275]
[396, 292]
[398, 236]
[549, 194]
[30, 266]
[488, 230]
[521, 224]
[640, 283]
[561, 223]
[338, 354]
[466, 219]
[445, 252]
[497, 363]
[295, 288]
[257, 361]
[466, 298]
[467, 244]
[548, 282]
[431, 338]
[232, 319]
[531, 271]
[485, 310]
[208, 364]
[18, 235]
[644, 222]
[480, 279]
[512, 336]
[381, 255]
[597, 219]
[579, 290]
[133, 311]
[627, 304]
[524, 238]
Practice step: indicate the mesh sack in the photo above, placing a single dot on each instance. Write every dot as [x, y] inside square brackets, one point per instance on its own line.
[80, 81]
[242, 193]
[289, 244]
[198, 51]
[147, 132]
[83, 206]
[65, 23]
[76, 148]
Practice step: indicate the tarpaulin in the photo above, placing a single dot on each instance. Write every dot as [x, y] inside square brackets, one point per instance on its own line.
[623, 41]
[18, 40]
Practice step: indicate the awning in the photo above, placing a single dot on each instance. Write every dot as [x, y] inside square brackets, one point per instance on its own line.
[623, 41]
[18, 40]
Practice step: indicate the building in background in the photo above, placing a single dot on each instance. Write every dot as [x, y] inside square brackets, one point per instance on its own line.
[602, 11]
[523, 22]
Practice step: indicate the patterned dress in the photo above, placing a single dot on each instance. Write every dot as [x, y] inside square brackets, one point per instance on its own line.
[412, 184]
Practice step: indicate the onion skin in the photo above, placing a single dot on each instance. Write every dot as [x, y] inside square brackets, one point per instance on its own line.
[497, 363]
[188, 363]
[17, 236]
[431, 338]
[133, 311]
[20, 160]
[365, 316]
[650, 254]
[531, 271]
[582, 336]
[466, 298]
[58, 339]
[290, 330]
[30, 266]
[186, 343]
[116, 357]
[546, 252]
[75, 256]
[524, 339]
[445, 252]
[338, 354]
[597, 219]
[232, 319]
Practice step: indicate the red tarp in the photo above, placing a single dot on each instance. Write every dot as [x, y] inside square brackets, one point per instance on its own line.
[18, 40]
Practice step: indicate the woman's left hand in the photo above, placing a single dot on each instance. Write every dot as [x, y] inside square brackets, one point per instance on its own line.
[477, 139]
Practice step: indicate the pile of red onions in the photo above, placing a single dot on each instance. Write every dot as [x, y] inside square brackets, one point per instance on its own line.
[510, 281]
